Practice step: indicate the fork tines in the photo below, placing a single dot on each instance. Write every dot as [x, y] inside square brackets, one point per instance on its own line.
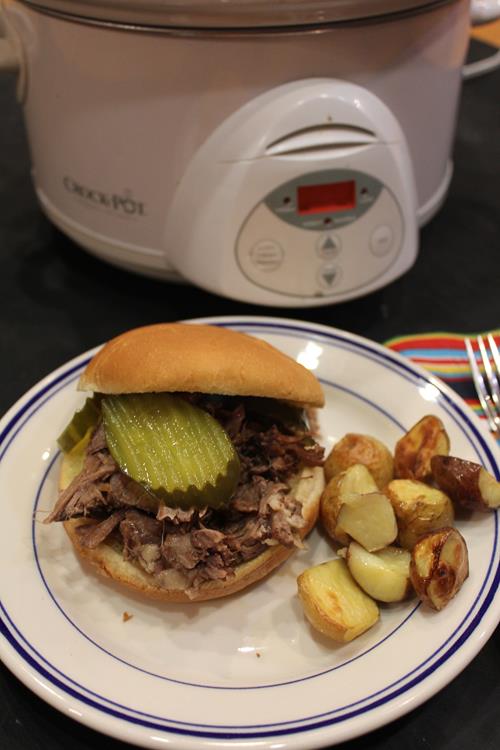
[486, 378]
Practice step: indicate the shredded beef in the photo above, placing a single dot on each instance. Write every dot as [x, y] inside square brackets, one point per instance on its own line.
[247, 497]
[234, 423]
[249, 541]
[125, 491]
[280, 529]
[179, 516]
[142, 538]
[85, 493]
[138, 529]
[179, 552]
[92, 534]
[206, 539]
[98, 441]
[203, 544]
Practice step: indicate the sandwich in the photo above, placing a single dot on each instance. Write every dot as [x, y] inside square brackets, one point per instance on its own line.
[191, 472]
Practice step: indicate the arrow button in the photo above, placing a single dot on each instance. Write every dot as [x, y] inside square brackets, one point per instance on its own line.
[329, 276]
[328, 246]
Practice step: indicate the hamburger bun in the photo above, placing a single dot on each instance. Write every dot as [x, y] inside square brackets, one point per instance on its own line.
[169, 357]
[107, 558]
[194, 358]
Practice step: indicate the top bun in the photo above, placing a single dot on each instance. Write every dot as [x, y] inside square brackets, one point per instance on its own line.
[198, 358]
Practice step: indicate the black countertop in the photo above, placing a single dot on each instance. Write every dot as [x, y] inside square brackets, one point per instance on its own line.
[57, 301]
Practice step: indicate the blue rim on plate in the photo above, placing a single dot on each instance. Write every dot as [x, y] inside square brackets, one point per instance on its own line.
[27, 407]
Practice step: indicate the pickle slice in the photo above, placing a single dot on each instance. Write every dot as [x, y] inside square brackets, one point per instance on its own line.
[74, 459]
[83, 420]
[172, 447]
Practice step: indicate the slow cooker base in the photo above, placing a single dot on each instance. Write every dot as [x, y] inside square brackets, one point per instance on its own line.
[152, 263]
[144, 261]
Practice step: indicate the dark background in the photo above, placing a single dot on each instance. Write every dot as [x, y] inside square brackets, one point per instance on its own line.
[57, 301]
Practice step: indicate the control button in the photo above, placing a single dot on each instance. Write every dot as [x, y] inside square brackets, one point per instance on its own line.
[328, 276]
[267, 255]
[328, 246]
[381, 241]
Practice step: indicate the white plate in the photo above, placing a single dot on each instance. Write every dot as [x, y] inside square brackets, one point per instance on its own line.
[248, 669]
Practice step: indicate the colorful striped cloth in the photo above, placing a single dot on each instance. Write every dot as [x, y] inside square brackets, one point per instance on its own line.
[444, 355]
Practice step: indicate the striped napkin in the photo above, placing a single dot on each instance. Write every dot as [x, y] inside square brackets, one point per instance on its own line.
[444, 355]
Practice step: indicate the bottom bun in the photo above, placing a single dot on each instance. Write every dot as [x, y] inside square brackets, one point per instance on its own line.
[172, 585]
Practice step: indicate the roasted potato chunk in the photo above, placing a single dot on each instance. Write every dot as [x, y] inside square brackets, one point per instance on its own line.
[413, 453]
[419, 509]
[333, 602]
[439, 566]
[356, 479]
[369, 519]
[468, 484]
[360, 449]
[383, 575]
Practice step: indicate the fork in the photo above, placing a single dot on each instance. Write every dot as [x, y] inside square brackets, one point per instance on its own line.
[486, 378]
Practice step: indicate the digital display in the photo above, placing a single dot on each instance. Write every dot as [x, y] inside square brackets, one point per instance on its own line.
[335, 196]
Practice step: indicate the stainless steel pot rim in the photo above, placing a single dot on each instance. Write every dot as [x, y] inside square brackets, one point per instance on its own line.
[229, 16]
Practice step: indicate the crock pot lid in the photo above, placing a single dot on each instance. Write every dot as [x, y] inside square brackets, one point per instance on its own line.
[229, 13]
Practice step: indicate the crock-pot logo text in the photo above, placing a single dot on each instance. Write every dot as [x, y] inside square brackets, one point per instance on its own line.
[120, 203]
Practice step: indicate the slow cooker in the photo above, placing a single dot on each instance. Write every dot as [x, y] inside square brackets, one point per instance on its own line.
[280, 152]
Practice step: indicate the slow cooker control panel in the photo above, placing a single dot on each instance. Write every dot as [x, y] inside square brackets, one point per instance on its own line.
[322, 234]
[304, 196]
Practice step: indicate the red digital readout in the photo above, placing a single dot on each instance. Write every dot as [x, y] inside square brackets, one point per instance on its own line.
[335, 196]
